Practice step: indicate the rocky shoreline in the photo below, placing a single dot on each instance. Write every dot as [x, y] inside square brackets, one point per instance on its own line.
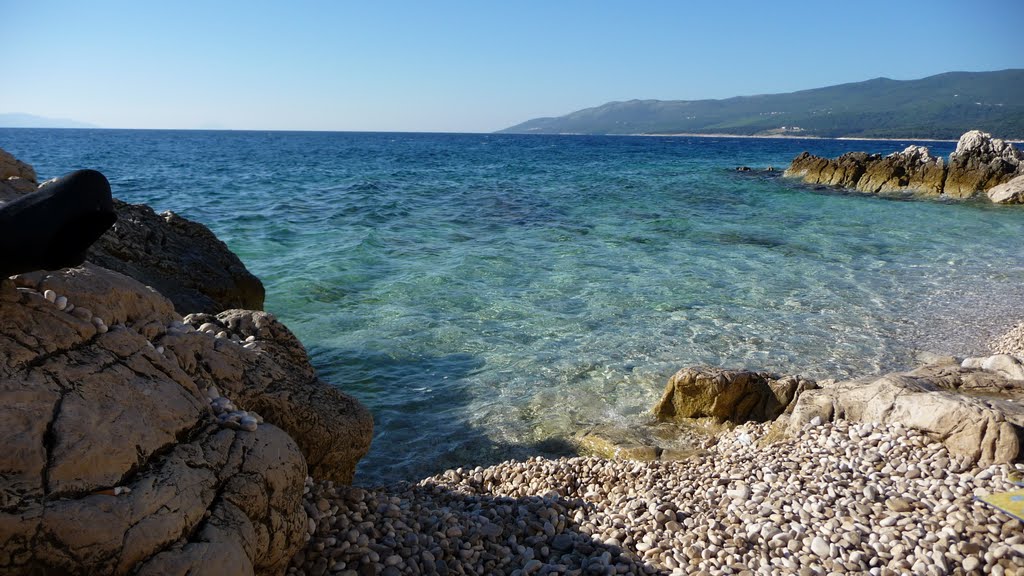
[980, 164]
[840, 498]
[198, 437]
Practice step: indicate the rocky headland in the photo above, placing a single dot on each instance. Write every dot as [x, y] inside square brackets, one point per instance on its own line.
[980, 164]
[155, 435]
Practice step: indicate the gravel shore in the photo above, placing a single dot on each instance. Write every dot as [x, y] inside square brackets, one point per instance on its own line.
[841, 498]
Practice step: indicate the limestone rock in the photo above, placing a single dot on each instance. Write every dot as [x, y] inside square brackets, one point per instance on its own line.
[732, 395]
[912, 170]
[970, 412]
[1010, 192]
[845, 171]
[981, 162]
[274, 378]
[89, 412]
[182, 259]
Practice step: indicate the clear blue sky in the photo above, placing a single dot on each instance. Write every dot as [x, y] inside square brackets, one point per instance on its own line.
[462, 66]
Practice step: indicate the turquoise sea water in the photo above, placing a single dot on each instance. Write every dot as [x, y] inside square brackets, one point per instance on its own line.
[489, 295]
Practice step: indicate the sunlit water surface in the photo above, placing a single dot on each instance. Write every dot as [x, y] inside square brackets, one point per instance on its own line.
[486, 296]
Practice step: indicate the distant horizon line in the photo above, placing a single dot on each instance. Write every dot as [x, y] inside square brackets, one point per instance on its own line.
[499, 133]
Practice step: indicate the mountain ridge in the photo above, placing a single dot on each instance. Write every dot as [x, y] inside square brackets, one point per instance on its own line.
[22, 120]
[942, 106]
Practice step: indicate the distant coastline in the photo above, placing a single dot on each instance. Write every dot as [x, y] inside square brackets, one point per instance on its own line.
[794, 137]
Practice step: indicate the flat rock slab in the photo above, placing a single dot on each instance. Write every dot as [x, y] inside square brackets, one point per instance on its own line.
[975, 413]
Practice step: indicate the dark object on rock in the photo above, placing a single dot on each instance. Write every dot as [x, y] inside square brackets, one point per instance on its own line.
[53, 227]
[743, 169]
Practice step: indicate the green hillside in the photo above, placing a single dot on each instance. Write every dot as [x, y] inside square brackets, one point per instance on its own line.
[941, 106]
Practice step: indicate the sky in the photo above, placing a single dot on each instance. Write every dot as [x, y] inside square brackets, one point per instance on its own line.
[462, 66]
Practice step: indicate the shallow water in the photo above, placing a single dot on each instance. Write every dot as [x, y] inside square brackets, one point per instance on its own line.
[488, 296]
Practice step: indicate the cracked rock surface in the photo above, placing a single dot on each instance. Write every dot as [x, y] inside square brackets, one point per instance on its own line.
[113, 460]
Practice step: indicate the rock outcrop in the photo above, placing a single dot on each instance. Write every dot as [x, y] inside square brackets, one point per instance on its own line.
[979, 163]
[182, 259]
[728, 395]
[975, 413]
[113, 460]
[276, 379]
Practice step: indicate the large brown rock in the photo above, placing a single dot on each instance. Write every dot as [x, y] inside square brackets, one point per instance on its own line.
[912, 170]
[845, 171]
[276, 379]
[90, 410]
[728, 395]
[975, 413]
[981, 162]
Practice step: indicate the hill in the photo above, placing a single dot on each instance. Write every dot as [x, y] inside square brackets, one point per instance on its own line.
[19, 120]
[941, 106]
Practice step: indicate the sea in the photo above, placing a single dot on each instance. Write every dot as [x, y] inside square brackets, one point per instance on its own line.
[491, 296]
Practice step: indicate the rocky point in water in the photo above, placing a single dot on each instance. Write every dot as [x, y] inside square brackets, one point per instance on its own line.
[979, 164]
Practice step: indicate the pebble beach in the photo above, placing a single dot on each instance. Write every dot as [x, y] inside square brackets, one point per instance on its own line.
[840, 498]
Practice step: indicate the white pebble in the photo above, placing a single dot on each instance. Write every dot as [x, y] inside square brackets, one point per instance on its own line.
[50, 295]
[61, 302]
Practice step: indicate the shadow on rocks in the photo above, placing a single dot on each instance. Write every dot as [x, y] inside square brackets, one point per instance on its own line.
[499, 520]
[424, 407]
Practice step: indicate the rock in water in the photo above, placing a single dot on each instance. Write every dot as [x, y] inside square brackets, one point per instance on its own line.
[981, 162]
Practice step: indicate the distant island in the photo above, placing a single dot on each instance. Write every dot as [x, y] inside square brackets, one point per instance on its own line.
[938, 107]
[20, 120]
